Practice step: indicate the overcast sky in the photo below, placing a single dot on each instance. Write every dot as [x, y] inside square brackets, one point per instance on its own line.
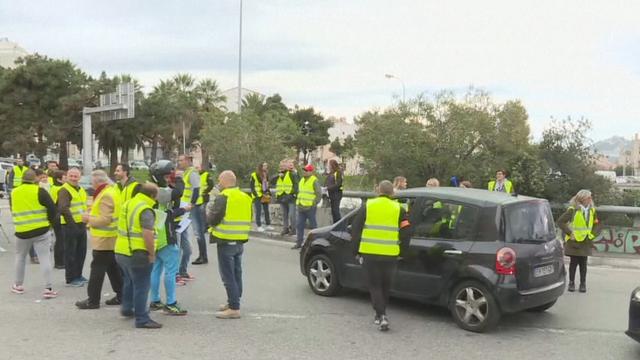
[561, 58]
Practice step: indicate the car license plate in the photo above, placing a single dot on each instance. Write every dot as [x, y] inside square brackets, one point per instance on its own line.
[543, 271]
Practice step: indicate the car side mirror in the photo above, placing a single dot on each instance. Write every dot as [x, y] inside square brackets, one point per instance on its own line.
[349, 228]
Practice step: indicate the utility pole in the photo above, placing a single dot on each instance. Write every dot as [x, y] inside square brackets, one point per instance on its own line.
[240, 64]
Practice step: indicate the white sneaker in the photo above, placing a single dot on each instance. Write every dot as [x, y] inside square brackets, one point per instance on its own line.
[270, 228]
[260, 229]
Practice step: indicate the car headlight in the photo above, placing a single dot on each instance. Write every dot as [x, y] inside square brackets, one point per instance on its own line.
[635, 296]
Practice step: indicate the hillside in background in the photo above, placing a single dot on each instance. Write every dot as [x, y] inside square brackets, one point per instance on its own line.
[611, 147]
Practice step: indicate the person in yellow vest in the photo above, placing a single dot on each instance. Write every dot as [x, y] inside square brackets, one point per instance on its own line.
[206, 185]
[52, 167]
[126, 184]
[380, 231]
[309, 195]
[259, 185]
[59, 178]
[135, 253]
[72, 203]
[501, 183]
[33, 215]
[15, 177]
[229, 217]
[334, 188]
[103, 230]
[579, 225]
[191, 179]
[286, 191]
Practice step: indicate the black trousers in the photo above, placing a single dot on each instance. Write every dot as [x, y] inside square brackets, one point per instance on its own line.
[573, 264]
[334, 200]
[75, 250]
[104, 262]
[58, 248]
[379, 274]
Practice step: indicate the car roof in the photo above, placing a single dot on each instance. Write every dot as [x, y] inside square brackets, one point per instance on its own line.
[478, 197]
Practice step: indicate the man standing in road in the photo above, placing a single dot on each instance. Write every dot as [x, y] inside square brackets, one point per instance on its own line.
[190, 195]
[59, 178]
[309, 195]
[72, 203]
[103, 228]
[380, 230]
[206, 185]
[33, 215]
[15, 177]
[126, 184]
[135, 253]
[286, 190]
[229, 215]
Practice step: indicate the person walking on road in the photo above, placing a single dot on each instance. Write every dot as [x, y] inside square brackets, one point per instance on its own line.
[380, 231]
[59, 178]
[103, 230]
[230, 219]
[33, 215]
[135, 253]
[190, 195]
[334, 188]
[309, 195]
[579, 225]
[286, 191]
[501, 183]
[126, 184]
[16, 175]
[206, 185]
[72, 203]
[167, 250]
[259, 185]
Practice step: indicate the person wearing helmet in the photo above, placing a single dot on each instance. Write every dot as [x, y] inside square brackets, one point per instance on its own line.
[167, 250]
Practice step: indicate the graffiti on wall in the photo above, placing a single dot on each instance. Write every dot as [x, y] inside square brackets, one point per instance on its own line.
[620, 240]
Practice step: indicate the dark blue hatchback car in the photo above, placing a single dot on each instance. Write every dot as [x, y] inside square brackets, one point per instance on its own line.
[479, 253]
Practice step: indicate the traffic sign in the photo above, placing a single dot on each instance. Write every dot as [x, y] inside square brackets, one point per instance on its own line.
[118, 105]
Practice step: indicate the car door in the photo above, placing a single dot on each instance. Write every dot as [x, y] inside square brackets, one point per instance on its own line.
[442, 235]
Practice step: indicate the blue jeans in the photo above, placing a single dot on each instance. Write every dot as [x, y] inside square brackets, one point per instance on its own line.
[185, 248]
[259, 207]
[167, 259]
[303, 216]
[230, 267]
[136, 275]
[288, 214]
[199, 229]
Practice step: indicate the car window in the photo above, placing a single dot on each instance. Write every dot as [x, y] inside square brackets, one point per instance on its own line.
[433, 218]
[529, 222]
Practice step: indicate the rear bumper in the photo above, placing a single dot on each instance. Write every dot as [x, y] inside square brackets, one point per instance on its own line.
[512, 300]
[634, 317]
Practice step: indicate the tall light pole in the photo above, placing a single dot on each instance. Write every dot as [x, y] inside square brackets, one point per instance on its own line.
[390, 76]
[240, 63]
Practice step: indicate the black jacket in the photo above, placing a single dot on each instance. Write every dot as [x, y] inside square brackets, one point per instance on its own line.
[358, 225]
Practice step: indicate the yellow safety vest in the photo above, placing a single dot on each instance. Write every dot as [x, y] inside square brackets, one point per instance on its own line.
[236, 224]
[28, 213]
[284, 185]
[126, 193]
[381, 234]
[581, 229]
[188, 187]
[129, 226]
[508, 186]
[306, 192]
[50, 180]
[78, 204]
[18, 172]
[204, 177]
[257, 185]
[111, 230]
[53, 191]
[335, 178]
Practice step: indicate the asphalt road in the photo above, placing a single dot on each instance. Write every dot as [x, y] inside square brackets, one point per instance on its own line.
[283, 319]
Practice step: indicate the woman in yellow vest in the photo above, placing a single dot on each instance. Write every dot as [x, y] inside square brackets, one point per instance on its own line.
[501, 183]
[578, 225]
[259, 185]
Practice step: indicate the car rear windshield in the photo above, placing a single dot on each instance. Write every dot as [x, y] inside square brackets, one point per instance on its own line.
[528, 222]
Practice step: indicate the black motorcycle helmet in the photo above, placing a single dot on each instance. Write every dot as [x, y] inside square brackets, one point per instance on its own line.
[159, 170]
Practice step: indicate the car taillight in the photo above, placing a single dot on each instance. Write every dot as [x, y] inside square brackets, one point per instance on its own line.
[506, 261]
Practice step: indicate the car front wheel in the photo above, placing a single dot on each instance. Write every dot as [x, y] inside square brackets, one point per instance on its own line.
[322, 275]
[473, 307]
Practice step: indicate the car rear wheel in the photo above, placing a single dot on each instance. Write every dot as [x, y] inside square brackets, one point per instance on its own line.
[473, 307]
[322, 275]
[542, 308]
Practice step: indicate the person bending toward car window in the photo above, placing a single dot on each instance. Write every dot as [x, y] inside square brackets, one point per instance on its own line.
[380, 231]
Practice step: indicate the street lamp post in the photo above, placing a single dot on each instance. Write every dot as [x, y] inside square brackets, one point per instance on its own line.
[390, 76]
[240, 63]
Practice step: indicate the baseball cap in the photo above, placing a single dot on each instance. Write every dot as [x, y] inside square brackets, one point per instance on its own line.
[309, 167]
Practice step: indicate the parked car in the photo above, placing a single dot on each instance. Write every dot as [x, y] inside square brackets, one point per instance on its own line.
[74, 163]
[634, 315]
[138, 165]
[478, 253]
